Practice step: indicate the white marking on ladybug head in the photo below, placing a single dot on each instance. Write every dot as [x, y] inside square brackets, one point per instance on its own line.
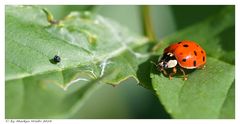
[170, 54]
[171, 63]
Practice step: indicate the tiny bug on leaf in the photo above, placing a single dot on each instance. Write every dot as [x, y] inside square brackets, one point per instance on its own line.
[56, 59]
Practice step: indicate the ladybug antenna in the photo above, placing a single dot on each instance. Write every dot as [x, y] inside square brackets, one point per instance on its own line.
[159, 58]
[153, 63]
[164, 71]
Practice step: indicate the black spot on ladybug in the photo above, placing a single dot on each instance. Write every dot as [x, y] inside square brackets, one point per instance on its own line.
[194, 63]
[184, 60]
[185, 45]
[179, 42]
[201, 51]
[195, 53]
[203, 58]
[197, 45]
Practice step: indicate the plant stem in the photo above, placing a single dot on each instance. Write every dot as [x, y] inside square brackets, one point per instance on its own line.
[148, 23]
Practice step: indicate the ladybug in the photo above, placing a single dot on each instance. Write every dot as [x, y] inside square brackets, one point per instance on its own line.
[185, 55]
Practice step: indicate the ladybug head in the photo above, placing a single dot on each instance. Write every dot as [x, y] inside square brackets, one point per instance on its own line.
[167, 61]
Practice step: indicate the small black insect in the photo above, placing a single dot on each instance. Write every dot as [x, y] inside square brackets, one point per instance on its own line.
[56, 59]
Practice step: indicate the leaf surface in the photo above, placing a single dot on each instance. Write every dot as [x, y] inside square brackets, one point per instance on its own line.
[92, 48]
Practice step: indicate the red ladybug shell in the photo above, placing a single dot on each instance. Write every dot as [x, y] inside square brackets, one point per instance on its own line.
[188, 54]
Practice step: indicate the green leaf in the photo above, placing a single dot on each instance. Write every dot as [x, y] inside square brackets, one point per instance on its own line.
[61, 11]
[204, 93]
[92, 48]
[228, 108]
[201, 96]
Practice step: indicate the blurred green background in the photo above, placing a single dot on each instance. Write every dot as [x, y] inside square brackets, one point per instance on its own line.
[129, 100]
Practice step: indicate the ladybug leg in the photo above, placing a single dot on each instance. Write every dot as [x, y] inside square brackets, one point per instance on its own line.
[173, 72]
[184, 74]
[164, 72]
[201, 67]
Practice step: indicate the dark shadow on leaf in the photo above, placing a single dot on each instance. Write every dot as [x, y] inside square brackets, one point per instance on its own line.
[145, 68]
[52, 61]
[228, 39]
[143, 72]
[143, 75]
[227, 43]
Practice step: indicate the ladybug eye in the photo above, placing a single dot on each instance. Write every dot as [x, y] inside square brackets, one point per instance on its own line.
[165, 65]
